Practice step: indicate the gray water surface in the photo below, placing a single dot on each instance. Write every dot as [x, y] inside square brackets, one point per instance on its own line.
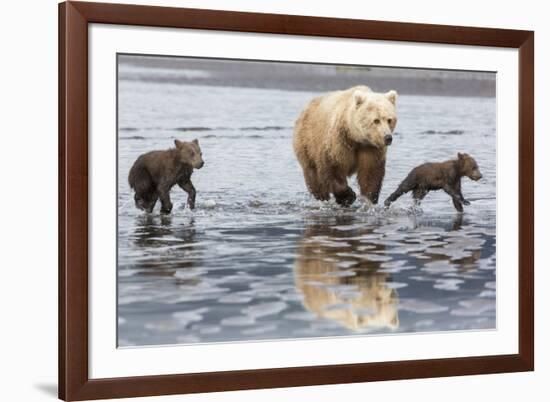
[259, 258]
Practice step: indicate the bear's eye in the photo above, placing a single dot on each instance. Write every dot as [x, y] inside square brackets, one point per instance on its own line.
[376, 121]
[389, 121]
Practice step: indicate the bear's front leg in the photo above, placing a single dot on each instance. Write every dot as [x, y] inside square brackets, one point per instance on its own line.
[187, 186]
[343, 193]
[164, 196]
[458, 190]
[371, 168]
[346, 197]
[458, 205]
[457, 201]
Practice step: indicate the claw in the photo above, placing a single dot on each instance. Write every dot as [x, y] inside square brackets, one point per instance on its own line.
[346, 198]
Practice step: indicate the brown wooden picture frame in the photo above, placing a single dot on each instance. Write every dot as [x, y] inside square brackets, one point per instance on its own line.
[74, 381]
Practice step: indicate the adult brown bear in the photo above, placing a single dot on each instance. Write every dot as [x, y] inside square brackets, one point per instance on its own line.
[343, 133]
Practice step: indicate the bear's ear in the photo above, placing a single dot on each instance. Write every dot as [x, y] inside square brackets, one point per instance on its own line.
[178, 143]
[359, 97]
[391, 96]
[195, 141]
[460, 156]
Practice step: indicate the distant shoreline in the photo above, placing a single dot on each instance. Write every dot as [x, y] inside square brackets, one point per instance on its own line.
[304, 77]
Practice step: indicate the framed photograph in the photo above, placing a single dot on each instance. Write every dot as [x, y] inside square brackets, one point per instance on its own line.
[259, 200]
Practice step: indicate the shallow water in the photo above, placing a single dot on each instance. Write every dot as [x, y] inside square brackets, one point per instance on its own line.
[260, 259]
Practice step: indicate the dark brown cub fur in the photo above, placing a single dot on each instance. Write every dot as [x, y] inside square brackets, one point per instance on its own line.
[444, 176]
[153, 175]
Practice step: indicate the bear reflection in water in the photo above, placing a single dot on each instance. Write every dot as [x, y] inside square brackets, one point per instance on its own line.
[340, 282]
[348, 271]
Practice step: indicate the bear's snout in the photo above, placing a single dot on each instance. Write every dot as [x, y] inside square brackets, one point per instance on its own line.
[200, 165]
[388, 139]
[475, 175]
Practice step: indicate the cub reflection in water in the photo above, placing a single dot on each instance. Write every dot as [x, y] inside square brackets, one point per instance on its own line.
[340, 279]
[170, 245]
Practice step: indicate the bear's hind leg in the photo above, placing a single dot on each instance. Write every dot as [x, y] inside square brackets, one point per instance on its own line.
[151, 201]
[403, 188]
[419, 194]
[164, 196]
[146, 201]
[319, 191]
[140, 201]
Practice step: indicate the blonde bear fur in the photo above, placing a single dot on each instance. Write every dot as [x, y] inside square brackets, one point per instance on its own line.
[343, 133]
[359, 300]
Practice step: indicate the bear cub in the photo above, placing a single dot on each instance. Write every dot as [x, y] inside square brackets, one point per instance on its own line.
[153, 175]
[444, 176]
